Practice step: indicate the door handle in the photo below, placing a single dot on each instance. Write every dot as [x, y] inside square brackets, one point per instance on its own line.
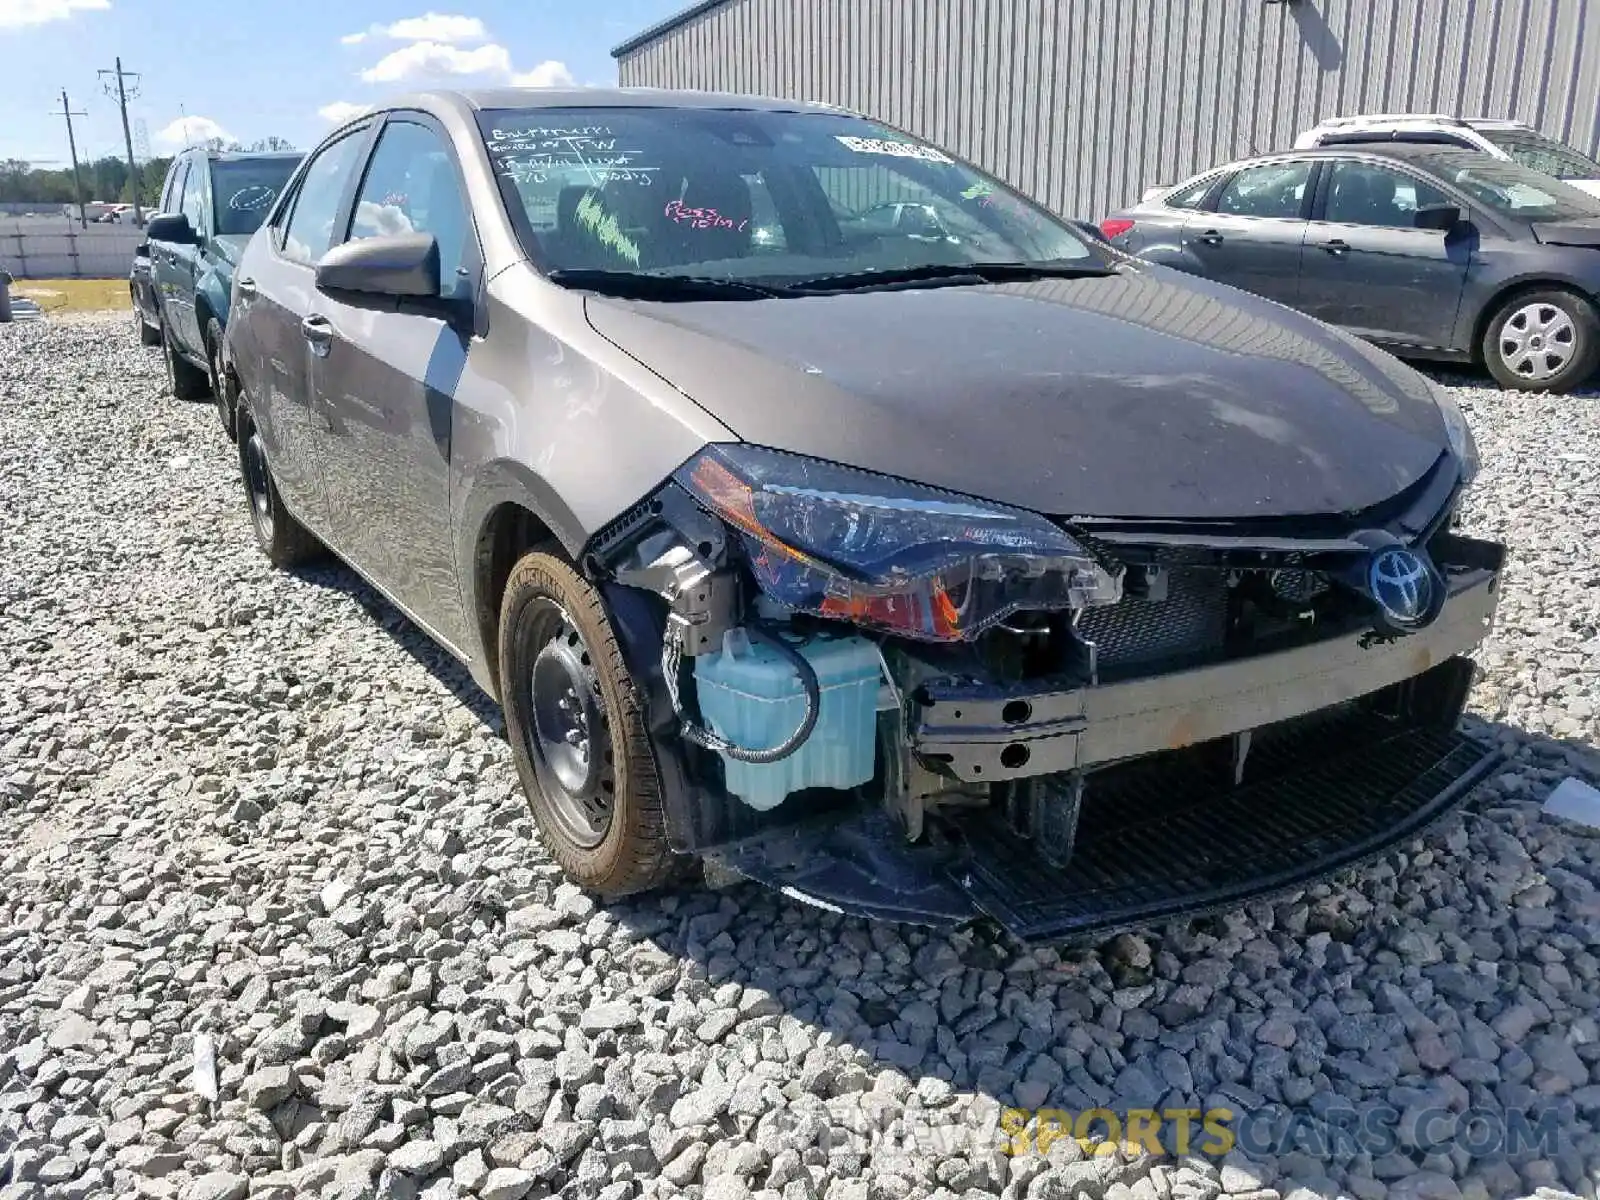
[1336, 247]
[318, 331]
[1210, 238]
[246, 285]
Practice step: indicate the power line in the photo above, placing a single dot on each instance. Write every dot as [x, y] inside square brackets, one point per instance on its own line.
[72, 145]
[119, 81]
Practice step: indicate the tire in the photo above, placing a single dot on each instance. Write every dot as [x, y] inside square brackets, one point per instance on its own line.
[284, 541]
[596, 795]
[186, 381]
[216, 377]
[1543, 341]
[149, 335]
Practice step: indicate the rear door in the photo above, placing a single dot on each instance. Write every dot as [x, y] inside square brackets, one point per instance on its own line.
[277, 288]
[1251, 238]
[1368, 268]
[387, 382]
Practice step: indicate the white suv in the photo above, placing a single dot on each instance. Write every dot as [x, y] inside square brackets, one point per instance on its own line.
[1504, 139]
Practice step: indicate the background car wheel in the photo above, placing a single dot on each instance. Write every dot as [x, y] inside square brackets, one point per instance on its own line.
[1545, 341]
[186, 381]
[149, 335]
[577, 732]
[284, 541]
[218, 377]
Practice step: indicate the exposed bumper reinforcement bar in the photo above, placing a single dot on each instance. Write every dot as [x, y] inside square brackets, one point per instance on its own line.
[992, 734]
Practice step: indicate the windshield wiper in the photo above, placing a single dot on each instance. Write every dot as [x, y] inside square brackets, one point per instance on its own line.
[950, 275]
[642, 285]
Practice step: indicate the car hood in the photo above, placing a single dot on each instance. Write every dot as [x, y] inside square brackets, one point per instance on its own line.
[230, 247]
[1147, 394]
[1584, 232]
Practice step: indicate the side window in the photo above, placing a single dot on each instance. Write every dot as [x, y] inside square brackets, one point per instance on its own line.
[1192, 196]
[310, 232]
[411, 187]
[194, 196]
[1270, 190]
[1365, 194]
[175, 197]
[172, 188]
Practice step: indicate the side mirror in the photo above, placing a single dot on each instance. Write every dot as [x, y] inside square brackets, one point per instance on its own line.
[1441, 218]
[171, 227]
[404, 265]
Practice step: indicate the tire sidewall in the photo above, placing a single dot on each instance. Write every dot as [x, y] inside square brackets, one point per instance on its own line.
[605, 868]
[219, 382]
[1584, 359]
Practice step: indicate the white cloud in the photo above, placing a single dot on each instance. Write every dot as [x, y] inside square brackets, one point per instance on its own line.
[549, 73]
[191, 131]
[429, 27]
[423, 60]
[16, 14]
[340, 111]
[436, 27]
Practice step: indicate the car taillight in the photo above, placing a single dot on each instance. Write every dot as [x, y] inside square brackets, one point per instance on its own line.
[1115, 227]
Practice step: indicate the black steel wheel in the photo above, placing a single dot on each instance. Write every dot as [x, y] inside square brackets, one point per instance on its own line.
[571, 743]
[218, 376]
[577, 731]
[184, 380]
[149, 335]
[284, 541]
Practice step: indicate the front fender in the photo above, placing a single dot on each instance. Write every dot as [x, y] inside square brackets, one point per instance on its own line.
[474, 501]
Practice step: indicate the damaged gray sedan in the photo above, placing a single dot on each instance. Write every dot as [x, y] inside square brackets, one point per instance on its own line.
[924, 570]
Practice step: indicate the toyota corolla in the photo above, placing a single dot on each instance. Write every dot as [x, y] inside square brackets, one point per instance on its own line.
[922, 577]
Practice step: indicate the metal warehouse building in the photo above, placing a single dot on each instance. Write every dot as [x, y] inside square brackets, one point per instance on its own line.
[1084, 103]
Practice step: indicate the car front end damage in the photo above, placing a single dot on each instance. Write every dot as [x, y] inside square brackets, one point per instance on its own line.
[1070, 725]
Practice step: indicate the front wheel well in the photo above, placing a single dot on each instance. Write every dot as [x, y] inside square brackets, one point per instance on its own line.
[509, 532]
[1501, 298]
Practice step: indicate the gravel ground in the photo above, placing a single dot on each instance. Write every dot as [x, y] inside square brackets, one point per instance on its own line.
[273, 920]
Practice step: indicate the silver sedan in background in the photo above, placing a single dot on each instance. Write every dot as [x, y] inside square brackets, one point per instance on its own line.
[1429, 251]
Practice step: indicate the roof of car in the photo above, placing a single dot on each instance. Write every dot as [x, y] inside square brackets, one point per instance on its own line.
[492, 98]
[245, 155]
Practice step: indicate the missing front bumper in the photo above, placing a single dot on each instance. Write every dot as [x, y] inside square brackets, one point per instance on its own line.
[1171, 836]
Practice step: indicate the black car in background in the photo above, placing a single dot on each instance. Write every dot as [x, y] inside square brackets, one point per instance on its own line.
[920, 577]
[1430, 251]
[210, 205]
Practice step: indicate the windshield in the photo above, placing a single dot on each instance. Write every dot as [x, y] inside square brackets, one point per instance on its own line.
[1539, 153]
[1513, 190]
[245, 189]
[774, 197]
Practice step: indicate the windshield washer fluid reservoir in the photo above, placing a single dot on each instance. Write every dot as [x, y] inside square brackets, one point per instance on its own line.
[751, 695]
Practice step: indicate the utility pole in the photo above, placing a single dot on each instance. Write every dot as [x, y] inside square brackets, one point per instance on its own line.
[120, 95]
[72, 144]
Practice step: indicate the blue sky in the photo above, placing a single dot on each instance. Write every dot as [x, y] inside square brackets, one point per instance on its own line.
[258, 68]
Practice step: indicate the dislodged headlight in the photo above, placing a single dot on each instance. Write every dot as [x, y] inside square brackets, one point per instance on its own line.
[897, 557]
[1459, 433]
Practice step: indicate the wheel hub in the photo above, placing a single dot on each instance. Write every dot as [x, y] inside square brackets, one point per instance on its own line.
[1538, 341]
[570, 742]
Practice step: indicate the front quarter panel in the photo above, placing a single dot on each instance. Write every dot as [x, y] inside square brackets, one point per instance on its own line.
[213, 290]
[551, 416]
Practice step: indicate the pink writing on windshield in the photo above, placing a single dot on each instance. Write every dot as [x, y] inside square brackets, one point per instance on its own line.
[701, 218]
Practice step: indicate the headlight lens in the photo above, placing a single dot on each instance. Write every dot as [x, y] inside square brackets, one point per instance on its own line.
[1459, 433]
[897, 557]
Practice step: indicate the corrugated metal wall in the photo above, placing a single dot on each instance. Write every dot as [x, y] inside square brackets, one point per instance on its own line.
[1084, 103]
